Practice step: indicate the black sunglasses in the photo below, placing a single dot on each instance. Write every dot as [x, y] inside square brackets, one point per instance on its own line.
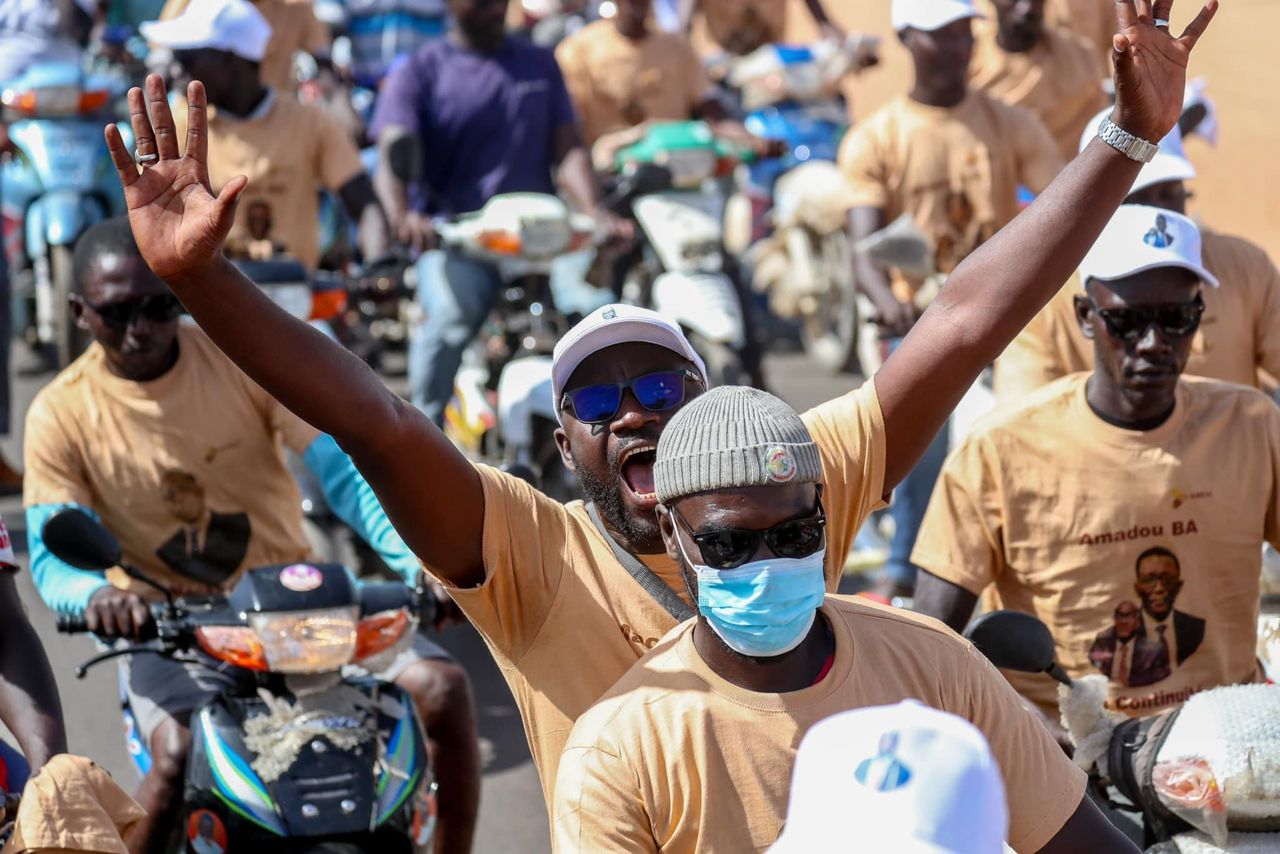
[158, 308]
[726, 548]
[657, 392]
[1174, 321]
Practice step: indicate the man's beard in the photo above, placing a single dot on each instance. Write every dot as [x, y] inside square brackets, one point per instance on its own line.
[606, 495]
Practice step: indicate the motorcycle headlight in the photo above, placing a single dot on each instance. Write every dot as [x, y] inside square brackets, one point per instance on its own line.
[690, 167]
[544, 238]
[380, 632]
[307, 641]
[295, 299]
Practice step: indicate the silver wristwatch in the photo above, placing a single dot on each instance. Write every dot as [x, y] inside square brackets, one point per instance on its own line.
[1132, 147]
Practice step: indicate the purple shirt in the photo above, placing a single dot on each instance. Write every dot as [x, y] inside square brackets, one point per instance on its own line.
[487, 121]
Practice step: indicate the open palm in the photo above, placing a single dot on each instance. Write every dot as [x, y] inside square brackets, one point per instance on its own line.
[179, 223]
[1151, 65]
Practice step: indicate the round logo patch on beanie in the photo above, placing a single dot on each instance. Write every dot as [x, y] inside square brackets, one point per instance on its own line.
[779, 465]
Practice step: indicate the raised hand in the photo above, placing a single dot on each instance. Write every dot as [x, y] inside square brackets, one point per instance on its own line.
[179, 223]
[1151, 65]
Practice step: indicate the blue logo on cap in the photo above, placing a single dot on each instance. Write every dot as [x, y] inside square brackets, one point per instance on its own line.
[1158, 236]
[883, 772]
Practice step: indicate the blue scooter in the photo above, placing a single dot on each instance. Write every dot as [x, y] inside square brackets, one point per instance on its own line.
[61, 182]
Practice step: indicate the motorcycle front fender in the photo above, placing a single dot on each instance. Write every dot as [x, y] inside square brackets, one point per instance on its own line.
[705, 303]
[58, 218]
[524, 391]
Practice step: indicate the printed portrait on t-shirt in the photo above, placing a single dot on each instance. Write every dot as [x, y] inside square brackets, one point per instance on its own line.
[208, 546]
[1149, 638]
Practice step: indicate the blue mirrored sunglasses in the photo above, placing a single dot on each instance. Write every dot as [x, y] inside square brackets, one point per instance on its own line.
[657, 392]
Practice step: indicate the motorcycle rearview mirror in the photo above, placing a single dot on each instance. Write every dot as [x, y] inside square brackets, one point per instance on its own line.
[75, 537]
[643, 179]
[1016, 641]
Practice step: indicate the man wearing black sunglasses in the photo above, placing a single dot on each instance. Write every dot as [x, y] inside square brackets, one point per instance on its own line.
[568, 598]
[158, 434]
[1049, 505]
[692, 749]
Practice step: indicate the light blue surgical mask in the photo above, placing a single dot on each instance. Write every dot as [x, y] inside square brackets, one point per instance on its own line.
[763, 608]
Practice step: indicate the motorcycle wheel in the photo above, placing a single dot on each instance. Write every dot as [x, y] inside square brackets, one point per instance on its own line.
[829, 332]
[724, 364]
[67, 337]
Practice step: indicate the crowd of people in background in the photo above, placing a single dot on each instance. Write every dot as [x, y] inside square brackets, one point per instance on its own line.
[687, 672]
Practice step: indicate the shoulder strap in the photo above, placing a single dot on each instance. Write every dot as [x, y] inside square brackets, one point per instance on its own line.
[644, 576]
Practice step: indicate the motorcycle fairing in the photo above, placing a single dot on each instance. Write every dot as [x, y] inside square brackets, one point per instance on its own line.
[235, 783]
[403, 764]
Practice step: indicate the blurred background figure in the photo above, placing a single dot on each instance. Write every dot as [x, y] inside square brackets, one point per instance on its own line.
[741, 26]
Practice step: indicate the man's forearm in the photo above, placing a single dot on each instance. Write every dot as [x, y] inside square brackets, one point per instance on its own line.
[576, 180]
[29, 703]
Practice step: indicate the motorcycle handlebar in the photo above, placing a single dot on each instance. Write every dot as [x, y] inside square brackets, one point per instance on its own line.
[72, 624]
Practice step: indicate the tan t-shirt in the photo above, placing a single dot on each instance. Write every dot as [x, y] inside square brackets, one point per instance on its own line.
[955, 169]
[1094, 21]
[1239, 334]
[741, 26]
[186, 469]
[675, 758]
[562, 617]
[1060, 80]
[1090, 527]
[288, 151]
[617, 82]
[294, 29]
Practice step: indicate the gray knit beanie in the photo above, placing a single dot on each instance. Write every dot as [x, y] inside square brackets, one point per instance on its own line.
[734, 436]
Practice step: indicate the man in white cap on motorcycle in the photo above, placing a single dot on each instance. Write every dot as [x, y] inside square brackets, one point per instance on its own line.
[951, 158]
[1239, 337]
[1125, 507]
[569, 597]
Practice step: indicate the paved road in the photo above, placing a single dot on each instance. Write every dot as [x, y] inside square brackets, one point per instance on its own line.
[512, 815]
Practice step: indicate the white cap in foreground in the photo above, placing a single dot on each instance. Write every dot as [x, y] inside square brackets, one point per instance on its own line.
[907, 779]
[900, 779]
[1170, 163]
[1140, 238]
[234, 26]
[929, 15]
[610, 325]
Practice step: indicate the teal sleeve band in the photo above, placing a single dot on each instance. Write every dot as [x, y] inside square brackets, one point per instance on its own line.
[65, 589]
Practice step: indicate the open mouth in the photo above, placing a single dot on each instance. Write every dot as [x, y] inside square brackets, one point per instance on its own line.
[636, 470]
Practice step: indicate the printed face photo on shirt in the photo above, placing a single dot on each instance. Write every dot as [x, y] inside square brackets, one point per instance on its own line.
[1149, 637]
[208, 546]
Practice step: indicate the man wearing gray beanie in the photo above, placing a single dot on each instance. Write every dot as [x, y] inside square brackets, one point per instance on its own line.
[692, 750]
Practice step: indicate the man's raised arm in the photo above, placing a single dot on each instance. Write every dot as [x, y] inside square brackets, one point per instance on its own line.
[993, 294]
[431, 492]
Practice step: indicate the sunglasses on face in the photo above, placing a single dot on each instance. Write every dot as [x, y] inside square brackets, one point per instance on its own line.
[657, 392]
[158, 308]
[1130, 324]
[727, 548]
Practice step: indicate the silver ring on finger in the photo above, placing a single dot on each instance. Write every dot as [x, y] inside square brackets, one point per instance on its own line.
[1161, 24]
[145, 159]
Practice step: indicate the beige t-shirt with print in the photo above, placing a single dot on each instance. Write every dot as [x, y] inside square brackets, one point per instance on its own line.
[565, 620]
[288, 153]
[1094, 21]
[741, 26]
[617, 82]
[676, 758]
[1140, 550]
[955, 169]
[185, 469]
[1239, 333]
[1059, 79]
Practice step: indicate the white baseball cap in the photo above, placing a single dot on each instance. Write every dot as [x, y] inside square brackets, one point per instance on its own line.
[235, 26]
[615, 324]
[929, 15]
[1141, 238]
[1170, 163]
[906, 779]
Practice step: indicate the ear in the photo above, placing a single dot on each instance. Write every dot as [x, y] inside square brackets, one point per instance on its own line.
[1083, 312]
[76, 306]
[667, 527]
[562, 443]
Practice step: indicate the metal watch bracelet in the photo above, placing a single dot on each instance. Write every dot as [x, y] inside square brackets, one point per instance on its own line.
[1133, 147]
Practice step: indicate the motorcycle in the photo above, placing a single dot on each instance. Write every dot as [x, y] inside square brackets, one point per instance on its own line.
[667, 184]
[1201, 776]
[788, 218]
[61, 182]
[307, 758]
[502, 409]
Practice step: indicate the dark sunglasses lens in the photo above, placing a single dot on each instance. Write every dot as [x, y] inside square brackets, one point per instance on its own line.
[796, 539]
[726, 549]
[595, 403]
[161, 309]
[158, 309]
[1179, 320]
[660, 391]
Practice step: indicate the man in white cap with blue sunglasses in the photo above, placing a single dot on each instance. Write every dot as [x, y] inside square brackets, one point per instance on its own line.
[1125, 507]
[1239, 338]
[569, 597]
